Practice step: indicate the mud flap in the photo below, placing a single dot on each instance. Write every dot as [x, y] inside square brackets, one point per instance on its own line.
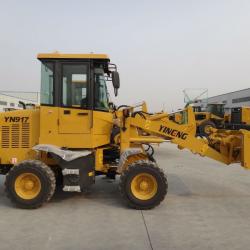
[78, 172]
[78, 167]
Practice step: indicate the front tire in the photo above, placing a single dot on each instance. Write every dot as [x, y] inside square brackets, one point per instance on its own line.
[30, 184]
[204, 128]
[143, 185]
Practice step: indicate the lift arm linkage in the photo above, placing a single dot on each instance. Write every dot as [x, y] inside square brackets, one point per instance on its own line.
[223, 145]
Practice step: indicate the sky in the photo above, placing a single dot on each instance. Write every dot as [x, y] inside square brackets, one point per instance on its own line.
[160, 47]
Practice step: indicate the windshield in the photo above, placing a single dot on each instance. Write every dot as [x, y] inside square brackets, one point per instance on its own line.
[101, 92]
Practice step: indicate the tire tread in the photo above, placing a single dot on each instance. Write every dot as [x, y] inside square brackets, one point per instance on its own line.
[132, 167]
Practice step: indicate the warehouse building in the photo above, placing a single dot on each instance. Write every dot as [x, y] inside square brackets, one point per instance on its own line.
[231, 100]
[11, 100]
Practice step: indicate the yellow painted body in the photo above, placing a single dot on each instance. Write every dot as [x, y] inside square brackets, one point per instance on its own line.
[90, 129]
[18, 136]
[48, 125]
[245, 156]
[245, 116]
[23, 129]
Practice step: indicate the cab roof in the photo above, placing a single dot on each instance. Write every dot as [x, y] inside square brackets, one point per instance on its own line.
[72, 56]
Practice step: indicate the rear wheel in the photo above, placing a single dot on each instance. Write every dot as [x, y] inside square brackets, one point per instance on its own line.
[143, 185]
[30, 184]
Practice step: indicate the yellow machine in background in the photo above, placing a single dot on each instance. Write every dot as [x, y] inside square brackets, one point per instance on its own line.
[214, 116]
[77, 133]
[238, 118]
[245, 115]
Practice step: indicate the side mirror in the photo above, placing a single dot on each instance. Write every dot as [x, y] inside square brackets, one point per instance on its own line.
[116, 81]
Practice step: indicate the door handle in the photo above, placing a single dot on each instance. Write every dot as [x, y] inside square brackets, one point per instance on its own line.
[82, 114]
[66, 112]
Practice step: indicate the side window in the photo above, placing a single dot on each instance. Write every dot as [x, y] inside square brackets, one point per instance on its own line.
[101, 92]
[47, 83]
[74, 85]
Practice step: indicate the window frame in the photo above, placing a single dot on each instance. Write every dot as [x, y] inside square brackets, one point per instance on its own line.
[54, 83]
[58, 80]
[95, 107]
[60, 83]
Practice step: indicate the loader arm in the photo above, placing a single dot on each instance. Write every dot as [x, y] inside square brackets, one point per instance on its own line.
[224, 145]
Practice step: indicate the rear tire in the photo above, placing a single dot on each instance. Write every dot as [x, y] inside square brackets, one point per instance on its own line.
[30, 184]
[143, 185]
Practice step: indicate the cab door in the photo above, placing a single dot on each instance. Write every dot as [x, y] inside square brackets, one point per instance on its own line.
[74, 114]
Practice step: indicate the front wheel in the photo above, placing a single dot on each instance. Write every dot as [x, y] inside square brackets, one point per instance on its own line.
[143, 185]
[204, 128]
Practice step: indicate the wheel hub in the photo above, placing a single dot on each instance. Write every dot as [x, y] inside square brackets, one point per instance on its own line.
[27, 186]
[207, 129]
[144, 186]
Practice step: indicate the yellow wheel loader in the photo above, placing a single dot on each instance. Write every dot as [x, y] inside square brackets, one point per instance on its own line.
[213, 117]
[216, 117]
[76, 134]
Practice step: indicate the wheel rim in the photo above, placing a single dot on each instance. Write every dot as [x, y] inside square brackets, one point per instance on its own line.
[207, 129]
[27, 186]
[144, 186]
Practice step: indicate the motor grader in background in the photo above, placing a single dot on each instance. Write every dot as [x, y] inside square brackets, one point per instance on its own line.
[76, 134]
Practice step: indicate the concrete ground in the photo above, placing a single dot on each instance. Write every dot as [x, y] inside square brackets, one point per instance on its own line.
[207, 207]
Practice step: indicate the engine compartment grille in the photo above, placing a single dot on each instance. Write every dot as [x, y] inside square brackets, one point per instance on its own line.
[16, 135]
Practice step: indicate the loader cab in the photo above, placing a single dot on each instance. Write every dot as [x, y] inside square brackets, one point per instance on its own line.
[75, 100]
[217, 109]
